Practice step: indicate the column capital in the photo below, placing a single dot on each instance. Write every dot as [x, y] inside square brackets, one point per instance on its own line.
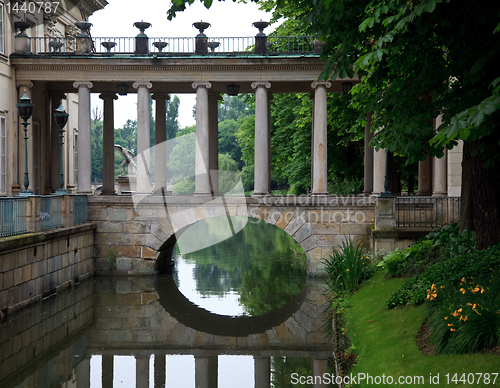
[326, 84]
[26, 84]
[195, 85]
[257, 84]
[138, 84]
[87, 84]
[111, 95]
[160, 96]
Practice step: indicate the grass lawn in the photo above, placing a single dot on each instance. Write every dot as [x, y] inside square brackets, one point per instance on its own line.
[385, 342]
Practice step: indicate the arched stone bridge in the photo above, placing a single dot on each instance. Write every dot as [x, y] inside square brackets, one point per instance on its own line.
[135, 235]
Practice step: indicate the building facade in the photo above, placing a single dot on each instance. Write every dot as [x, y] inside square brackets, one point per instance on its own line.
[47, 20]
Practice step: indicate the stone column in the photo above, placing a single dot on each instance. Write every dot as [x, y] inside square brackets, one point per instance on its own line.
[83, 373]
[141, 371]
[262, 145]
[160, 370]
[107, 371]
[84, 138]
[108, 142]
[205, 372]
[319, 157]
[143, 135]
[319, 367]
[202, 185]
[368, 177]
[262, 372]
[160, 142]
[440, 171]
[213, 140]
[379, 161]
[425, 176]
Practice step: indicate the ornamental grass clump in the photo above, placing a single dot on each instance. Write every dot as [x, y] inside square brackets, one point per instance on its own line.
[466, 318]
[347, 267]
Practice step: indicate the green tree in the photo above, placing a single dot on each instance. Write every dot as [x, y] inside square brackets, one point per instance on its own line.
[232, 108]
[172, 108]
[96, 139]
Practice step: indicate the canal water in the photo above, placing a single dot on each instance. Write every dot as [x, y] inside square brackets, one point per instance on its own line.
[239, 312]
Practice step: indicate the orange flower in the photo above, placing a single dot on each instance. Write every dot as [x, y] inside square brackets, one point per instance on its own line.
[452, 329]
[463, 280]
[460, 310]
[462, 290]
[455, 313]
[445, 317]
[450, 324]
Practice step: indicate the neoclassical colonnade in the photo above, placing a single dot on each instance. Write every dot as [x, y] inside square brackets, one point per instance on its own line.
[206, 181]
[432, 172]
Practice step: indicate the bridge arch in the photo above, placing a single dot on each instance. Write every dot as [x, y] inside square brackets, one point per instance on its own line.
[140, 234]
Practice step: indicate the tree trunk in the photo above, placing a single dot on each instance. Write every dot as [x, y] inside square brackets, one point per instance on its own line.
[466, 211]
[486, 193]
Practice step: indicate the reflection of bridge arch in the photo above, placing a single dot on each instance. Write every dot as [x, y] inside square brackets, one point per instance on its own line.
[191, 315]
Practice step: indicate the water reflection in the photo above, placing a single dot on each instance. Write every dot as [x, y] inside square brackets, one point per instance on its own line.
[260, 268]
[144, 332]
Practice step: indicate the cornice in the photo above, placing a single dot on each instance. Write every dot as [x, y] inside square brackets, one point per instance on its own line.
[145, 67]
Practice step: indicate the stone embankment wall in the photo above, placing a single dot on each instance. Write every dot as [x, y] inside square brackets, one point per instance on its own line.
[35, 265]
[29, 336]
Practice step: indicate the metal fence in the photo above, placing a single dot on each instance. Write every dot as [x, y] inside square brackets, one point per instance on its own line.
[50, 211]
[79, 209]
[13, 216]
[108, 46]
[427, 211]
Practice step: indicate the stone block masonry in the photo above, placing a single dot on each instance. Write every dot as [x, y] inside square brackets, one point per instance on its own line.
[131, 232]
[33, 266]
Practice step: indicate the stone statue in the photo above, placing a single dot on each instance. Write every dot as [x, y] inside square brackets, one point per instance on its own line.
[128, 155]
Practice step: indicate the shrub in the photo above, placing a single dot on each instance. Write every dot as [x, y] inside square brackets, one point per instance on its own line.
[437, 246]
[446, 273]
[465, 318]
[347, 267]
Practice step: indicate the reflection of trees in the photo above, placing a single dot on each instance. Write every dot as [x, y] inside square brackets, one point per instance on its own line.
[283, 367]
[213, 280]
[269, 286]
[261, 262]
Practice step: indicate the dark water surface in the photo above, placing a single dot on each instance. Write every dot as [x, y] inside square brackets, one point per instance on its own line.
[240, 313]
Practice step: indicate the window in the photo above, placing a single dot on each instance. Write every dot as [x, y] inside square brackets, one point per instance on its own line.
[3, 155]
[2, 32]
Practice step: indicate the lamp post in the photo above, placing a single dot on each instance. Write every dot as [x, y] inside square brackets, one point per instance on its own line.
[25, 110]
[61, 118]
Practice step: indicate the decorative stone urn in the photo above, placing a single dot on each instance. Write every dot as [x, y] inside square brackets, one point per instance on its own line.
[261, 38]
[22, 40]
[141, 40]
[201, 40]
[83, 40]
[160, 45]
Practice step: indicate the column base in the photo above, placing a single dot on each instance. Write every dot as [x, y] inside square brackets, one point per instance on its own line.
[261, 194]
[424, 193]
[440, 194]
[112, 192]
[317, 194]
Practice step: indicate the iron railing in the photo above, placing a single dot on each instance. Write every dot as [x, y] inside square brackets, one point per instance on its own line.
[232, 46]
[79, 209]
[50, 211]
[13, 216]
[427, 211]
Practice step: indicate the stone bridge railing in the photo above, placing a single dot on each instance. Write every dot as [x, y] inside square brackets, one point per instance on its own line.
[131, 234]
